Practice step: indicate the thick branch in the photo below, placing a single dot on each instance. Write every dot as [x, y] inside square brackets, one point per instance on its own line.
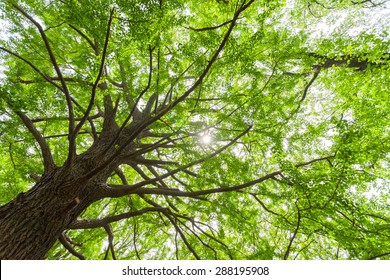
[121, 190]
[45, 119]
[83, 224]
[72, 139]
[55, 65]
[48, 160]
[168, 214]
[107, 191]
[134, 108]
[69, 247]
[348, 60]
[197, 228]
[141, 160]
[65, 135]
[164, 111]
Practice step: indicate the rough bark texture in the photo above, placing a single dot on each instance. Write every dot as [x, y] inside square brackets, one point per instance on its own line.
[33, 221]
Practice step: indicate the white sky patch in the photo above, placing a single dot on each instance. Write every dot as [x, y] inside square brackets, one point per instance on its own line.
[186, 12]
[30, 151]
[351, 22]
[168, 57]
[202, 50]
[189, 82]
[142, 7]
[328, 25]
[325, 143]
[206, 139]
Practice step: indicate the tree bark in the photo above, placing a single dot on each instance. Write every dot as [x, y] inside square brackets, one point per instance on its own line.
[34, 220]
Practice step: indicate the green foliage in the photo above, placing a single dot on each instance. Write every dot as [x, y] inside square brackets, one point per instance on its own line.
[326, 137]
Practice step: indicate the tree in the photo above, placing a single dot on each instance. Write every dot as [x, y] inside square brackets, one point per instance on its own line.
[194, 129]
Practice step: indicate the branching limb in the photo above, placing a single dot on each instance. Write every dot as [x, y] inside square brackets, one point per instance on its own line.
[315, 75]
[93, 46]
[117, 191]
[164, 111]
[48, 160]
[143, 174]
[172, 218]
[162, 142]
[215, 56]
[370, 2]
[72, 138]
[108, 229]
[69, 247]
[145, 161]
[121, 175]
[304, 247]
[211, 27]
[183, 237]
[51, 80]
[269, 210]
[95, 223]
[53, 59]
[179, 181]
[134, 108]
[67, 79]
[45, 119]
[196, 227]
[193, 232]
[66, 135]
[44, 76]
[286, 255]
[112, 191]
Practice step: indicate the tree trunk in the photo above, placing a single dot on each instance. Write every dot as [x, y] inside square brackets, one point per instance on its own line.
[34, 220]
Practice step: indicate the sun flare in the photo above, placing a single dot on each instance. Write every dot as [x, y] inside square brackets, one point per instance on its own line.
[206, 139]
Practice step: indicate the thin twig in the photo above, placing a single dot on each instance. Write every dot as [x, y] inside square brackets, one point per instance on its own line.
[93, 46]
[210, 27]
[286, 255]
[47, 78]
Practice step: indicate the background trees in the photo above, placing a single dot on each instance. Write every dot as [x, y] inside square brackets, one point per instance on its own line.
[220, 129]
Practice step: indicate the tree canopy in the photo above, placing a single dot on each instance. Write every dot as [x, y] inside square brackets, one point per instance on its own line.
[231, 129]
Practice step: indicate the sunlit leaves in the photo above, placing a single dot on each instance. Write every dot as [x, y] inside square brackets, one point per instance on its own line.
[332, 208]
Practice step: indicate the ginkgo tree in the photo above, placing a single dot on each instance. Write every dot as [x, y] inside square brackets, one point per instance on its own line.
[173, 129]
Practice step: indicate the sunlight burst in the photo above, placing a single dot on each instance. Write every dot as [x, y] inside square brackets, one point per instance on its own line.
[206, 139]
